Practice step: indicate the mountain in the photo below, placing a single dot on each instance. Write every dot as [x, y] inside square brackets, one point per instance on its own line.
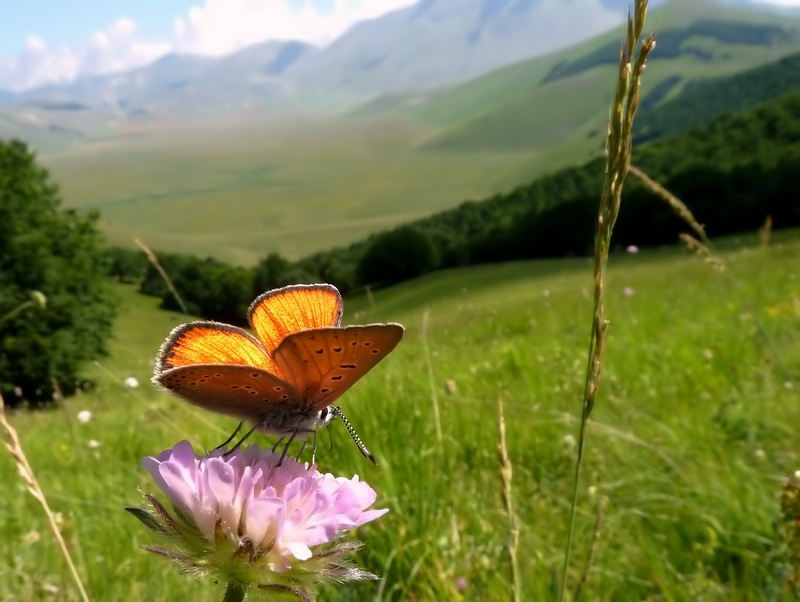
[180, 83]
[558, 104]
[430, 44]
[440, 42]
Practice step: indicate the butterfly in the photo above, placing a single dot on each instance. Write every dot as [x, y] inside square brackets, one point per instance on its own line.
[284, 379]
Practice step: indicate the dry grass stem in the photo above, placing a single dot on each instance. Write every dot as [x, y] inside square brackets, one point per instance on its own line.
[765, 232]
[677, 205]
[26, 472]
[596, 533]
[633, 57]
[151, 257]
[506, 474]
[702, 251]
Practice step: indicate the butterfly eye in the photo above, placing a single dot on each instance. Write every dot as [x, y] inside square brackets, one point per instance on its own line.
[325, 416]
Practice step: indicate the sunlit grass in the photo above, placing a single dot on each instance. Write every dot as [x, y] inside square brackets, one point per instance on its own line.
[690, 443]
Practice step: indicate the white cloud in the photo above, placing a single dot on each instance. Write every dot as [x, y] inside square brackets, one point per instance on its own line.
[115, 49]
[223, 26]
[215, 27]
[783, 3]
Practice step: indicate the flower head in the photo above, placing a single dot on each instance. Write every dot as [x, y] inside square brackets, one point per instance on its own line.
[84, 416]
[131, 382]
[249, 518]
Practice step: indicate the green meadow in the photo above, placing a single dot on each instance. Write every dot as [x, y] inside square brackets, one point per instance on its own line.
[244, 187]
[693, 433]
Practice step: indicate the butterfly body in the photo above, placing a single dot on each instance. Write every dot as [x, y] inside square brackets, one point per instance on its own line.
[284, 379]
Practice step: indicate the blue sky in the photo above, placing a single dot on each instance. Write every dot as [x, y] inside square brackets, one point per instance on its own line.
[65, 23]
[60, 23]
[47, 41]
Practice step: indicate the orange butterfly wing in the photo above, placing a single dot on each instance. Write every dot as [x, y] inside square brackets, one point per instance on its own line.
[243, 392]
[282, 311]
[211, 343]
[323, 363]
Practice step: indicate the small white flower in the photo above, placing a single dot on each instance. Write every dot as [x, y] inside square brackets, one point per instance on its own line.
[84, 416]
[628, 291]
[31, 537]
[131, 382]
[632, 249]
[94, 443]
[568, 441]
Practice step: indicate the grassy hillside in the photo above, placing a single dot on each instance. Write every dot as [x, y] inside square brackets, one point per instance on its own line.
[705, 100]
[692, 433]
[555, 107]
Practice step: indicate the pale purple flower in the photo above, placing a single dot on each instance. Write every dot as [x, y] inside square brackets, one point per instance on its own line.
[268, 521]
[628, 291]
[462, 584]
[632, 249]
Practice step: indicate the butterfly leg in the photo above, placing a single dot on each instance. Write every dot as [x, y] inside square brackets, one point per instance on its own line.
[286, 447]
[229, 439]
[314, 448]
[277, 443]
[242, 440]
[302, 449]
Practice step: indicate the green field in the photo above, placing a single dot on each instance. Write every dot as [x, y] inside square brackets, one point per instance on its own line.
[694, 430]
[244, 187]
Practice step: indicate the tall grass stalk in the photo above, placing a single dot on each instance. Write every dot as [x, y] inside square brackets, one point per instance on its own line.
[151, 257]
[633, 57]
[706, 249]
[506, 473]
[590, 557]
[432, 381]
[14, 447]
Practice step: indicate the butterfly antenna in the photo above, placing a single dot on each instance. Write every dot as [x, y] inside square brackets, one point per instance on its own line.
[361, 447]
[330, 440]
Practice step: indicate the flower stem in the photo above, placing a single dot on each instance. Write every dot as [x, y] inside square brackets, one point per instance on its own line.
[234, 593]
